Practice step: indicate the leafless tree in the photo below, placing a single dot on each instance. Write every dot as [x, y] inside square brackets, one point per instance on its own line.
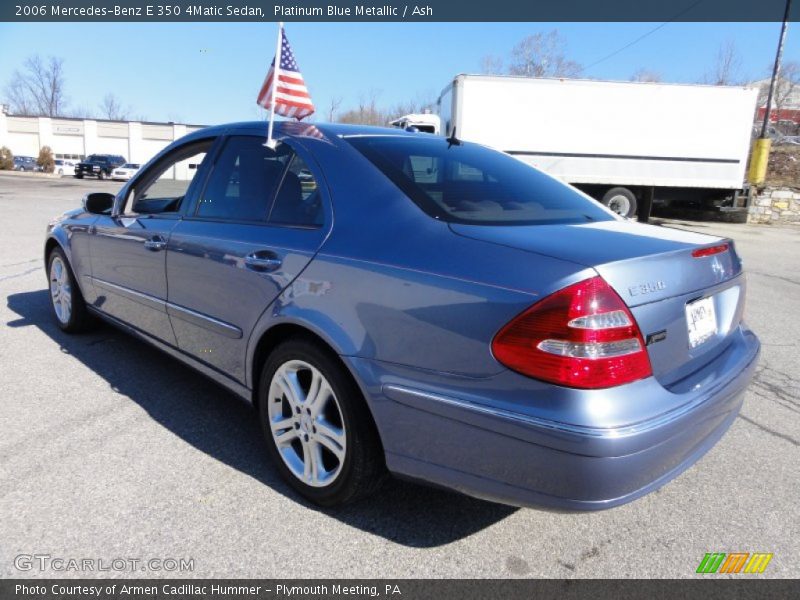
[787, 85]
[543, 55]
[111, 108]
[81, 112]
[727, 66]
[491, 65]
[367, 112]
[38, 88]
[647, 75]
[420, 104]
[333, 107]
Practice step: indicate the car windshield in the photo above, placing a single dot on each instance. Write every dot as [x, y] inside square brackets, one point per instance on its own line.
[467, 183]
[129, 166]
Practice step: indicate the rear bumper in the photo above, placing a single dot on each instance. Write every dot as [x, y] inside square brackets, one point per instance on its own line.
[483, 448]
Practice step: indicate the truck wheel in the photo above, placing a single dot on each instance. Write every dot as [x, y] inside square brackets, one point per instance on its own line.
[101, 174]
[620, 200]
[78, 175]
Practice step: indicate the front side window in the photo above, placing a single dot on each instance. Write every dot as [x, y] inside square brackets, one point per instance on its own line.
[471, 184]
[163, 188]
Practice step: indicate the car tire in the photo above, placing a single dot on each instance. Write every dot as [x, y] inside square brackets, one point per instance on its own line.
[61, 171]
[101, 174]
[620, 200]
[66, 300]
[78, 175]
[329, 450]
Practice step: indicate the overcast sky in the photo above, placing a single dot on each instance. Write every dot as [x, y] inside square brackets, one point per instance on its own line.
[210, 73]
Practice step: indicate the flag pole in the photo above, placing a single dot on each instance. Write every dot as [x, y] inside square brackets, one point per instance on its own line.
[276, 71]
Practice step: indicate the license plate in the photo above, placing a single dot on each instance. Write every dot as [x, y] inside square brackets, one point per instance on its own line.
[701, 321]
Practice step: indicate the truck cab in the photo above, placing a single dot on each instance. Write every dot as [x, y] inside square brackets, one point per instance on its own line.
[423, 122]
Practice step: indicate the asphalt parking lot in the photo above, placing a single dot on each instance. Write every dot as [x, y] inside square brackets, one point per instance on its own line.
[109, 449]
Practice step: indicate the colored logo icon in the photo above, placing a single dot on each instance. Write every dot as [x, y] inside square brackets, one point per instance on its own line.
[735, 562]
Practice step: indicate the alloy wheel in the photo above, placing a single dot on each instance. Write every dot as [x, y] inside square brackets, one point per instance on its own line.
[60, 290]
[307, 423]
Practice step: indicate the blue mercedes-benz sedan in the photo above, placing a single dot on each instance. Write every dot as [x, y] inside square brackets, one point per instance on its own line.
[405, 303]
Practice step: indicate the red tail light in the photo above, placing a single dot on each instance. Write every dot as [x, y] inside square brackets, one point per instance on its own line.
[709, 251]
[582, 336]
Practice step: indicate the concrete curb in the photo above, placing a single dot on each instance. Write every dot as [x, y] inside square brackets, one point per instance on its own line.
[33, 174]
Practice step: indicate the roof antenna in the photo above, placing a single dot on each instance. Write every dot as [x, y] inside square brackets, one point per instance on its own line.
[453, 140]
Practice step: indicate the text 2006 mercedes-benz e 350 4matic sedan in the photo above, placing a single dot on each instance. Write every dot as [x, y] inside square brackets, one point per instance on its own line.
[402, 302]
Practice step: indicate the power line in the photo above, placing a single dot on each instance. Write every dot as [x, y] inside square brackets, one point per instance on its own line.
[641, 37]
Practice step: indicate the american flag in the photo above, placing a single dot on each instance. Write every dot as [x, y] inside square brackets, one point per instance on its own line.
[291, 95]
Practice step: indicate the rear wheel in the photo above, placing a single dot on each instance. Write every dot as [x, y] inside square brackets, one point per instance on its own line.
[66, 299]
[620, 200]
[317, 426]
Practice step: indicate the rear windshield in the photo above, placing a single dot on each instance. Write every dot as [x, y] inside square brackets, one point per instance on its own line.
[468, 183]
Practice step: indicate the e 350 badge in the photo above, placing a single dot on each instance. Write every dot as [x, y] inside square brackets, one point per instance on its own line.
[646, 288]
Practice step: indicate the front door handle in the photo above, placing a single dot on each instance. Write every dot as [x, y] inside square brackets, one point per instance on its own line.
[155, 243]
[262, 260]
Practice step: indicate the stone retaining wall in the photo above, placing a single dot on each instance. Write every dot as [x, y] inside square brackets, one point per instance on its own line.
[775, 205]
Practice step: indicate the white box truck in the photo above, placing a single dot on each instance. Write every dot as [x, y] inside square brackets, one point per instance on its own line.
[614, 140]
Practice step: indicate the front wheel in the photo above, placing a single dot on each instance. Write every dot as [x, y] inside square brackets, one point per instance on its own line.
[317, 425]
[620, 200]
[66, 299]
[101, 174]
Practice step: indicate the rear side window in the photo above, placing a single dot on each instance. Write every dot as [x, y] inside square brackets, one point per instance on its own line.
[252, 183]
[243, 181]
[298, 202]
[471, 184]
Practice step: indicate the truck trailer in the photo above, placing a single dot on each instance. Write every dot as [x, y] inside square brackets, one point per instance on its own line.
[615, 140]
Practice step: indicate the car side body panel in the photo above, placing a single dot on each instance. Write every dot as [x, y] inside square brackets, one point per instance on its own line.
[71, 232]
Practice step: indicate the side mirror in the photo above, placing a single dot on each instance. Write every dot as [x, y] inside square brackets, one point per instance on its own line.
[98, 203]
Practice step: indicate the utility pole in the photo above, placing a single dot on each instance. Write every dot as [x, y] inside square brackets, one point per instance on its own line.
[760, 156]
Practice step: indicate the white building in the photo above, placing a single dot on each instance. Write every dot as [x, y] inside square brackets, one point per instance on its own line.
[68, 138]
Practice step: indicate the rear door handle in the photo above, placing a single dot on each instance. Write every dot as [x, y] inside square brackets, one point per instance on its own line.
[263, 260]
[155, 243]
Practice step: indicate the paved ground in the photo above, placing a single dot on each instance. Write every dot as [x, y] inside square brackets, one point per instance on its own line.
[110, 450]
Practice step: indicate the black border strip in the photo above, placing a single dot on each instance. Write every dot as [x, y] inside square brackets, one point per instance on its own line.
[538, 11]
[702, 587]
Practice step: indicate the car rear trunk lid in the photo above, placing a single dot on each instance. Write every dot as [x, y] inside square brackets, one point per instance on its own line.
[655, 273]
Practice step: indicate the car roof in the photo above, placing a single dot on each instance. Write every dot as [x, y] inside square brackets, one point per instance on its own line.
[298, 129]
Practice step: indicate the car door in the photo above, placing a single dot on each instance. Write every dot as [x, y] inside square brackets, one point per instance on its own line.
[128, 248]
[256, 224]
